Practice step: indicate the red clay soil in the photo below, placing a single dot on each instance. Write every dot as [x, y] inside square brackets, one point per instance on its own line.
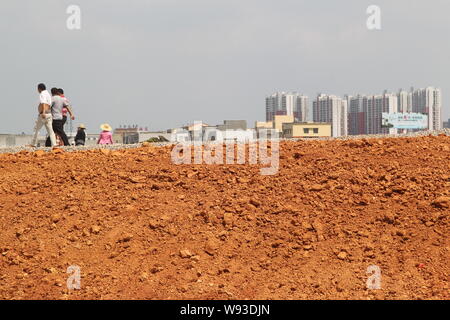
[141, 227]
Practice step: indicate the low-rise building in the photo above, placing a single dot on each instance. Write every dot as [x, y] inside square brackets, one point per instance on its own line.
[230, 131]
[242, 136]
[306, 130]
[19, 140]
[263, 125]
[280, 120]
[233, 125]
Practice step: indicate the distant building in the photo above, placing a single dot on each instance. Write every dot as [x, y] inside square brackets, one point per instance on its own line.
[264, 129]
[230, 130]
[132, 134]
[263, 125]
[273, 106]
[447, 124]
[18, 140]
[301, 110]
[180, 135]
[233, 125]
[332, 109]
[374, 107]
[287, 104]
[242, 136]
[428, 101]
[306, 130]
[365, 112]
[356, 115]
[404, 101]
[279, 120]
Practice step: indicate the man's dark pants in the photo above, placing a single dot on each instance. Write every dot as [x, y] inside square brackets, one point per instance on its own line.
[58, 128]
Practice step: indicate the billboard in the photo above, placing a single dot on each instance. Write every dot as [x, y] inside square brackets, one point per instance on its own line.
[404, 120]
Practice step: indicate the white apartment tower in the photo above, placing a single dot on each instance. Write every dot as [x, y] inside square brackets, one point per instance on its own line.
[292, 104]
[428, 101]
[301, 110]
[331, 109]
[404, 101]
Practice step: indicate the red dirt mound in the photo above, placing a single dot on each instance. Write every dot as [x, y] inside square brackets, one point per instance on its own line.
[140, 227]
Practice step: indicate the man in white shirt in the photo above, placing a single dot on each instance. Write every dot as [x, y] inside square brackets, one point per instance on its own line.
[45, 115]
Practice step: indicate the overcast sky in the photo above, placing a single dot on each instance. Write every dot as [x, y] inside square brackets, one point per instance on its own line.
[164, 63]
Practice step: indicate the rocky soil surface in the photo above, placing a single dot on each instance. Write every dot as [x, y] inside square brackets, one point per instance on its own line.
[140, 227]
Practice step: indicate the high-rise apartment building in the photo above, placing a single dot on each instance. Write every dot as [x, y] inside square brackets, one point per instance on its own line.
[331, 109]
[375, 106]
[365, 113]
[273, 106]
[356, 115]
[301, 110]
[360, 114]
[428, 101]
[287, 104]
[404, 101]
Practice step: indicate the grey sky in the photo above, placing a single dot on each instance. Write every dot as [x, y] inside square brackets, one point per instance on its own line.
[163, 63]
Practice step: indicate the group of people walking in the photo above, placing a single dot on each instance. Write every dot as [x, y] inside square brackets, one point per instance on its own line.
[53, 112]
